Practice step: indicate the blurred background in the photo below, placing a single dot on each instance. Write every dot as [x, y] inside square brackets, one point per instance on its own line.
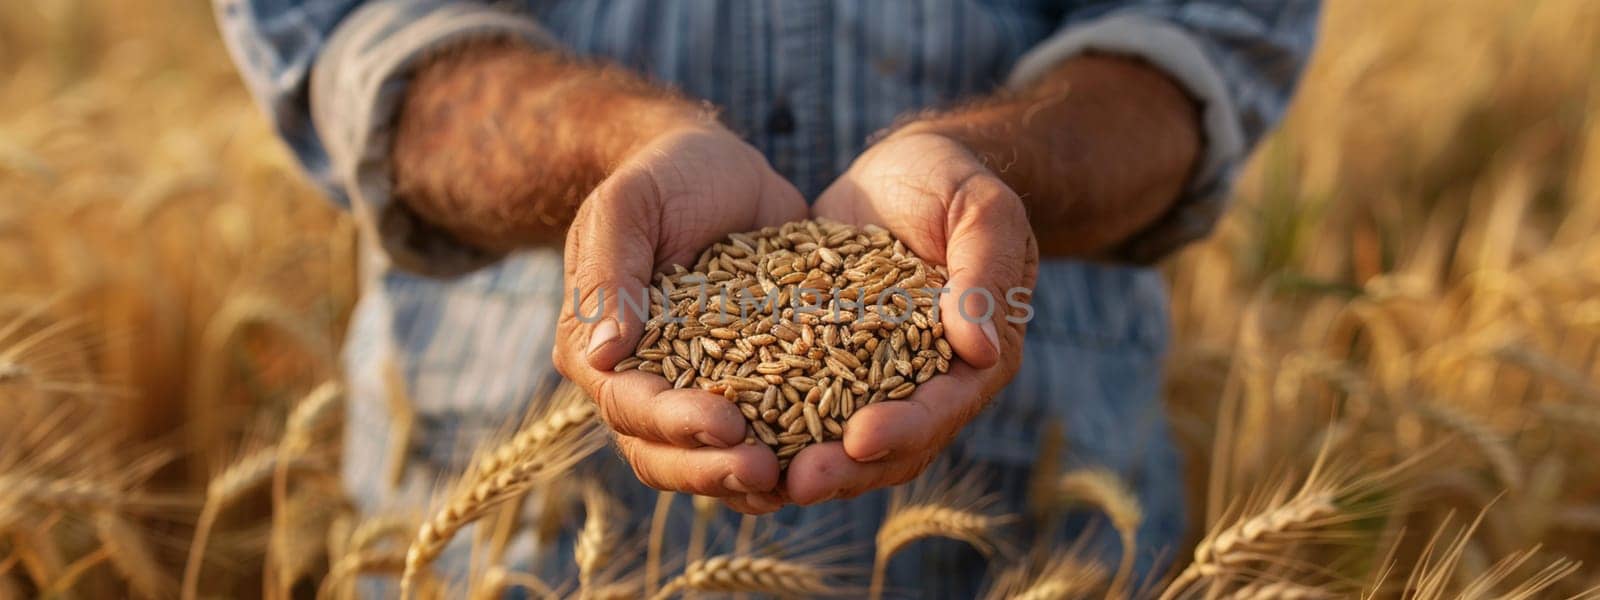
[1411, 263]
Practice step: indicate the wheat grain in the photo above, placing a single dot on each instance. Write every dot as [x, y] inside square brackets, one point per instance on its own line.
[751, 335]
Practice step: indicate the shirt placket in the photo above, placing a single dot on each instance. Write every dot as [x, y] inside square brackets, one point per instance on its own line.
[798, 122]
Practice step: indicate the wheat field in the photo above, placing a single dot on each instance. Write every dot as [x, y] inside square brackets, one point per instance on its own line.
[1386, 376]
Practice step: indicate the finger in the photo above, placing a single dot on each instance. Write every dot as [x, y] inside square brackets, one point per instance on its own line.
[840, 201]
[754, 504]
[720, 472]
[988, 252]
[642, 405]
[610, 253]
[924, 422]
[780, 203]
[822, 472]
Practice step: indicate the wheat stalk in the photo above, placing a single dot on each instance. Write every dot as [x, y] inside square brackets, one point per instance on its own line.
[541, 450]
[1105, 490]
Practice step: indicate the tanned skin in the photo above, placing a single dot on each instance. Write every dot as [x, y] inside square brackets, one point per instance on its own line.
[499, 143]
[1097, 149]
[505, 146]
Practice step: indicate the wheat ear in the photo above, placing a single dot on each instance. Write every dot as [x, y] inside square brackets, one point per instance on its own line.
[1064, 577]
[704, 508]
[1490, 443]
[598, 539]
[749, 574]
[72, 493]
[296, 543]
[1283, 518]
[1280, 590]
[243, 475]
[360, 552]
[1105, 490]
[937, 504]
[539, 451]
[359, 562]
[308, 416]
[312, 413]
[658, 534]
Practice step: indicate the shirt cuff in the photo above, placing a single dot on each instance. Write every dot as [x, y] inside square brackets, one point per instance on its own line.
[357, 84]
[1183, 58]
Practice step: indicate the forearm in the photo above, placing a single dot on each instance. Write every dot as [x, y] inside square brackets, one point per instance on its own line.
[1097, 149]
[499, 143]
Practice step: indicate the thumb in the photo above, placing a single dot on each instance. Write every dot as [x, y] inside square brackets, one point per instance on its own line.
[610, 257]
[987, 252]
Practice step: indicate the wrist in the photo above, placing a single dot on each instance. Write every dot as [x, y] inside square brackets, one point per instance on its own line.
[653, 120]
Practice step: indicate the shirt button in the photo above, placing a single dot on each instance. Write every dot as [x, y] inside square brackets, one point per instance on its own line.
[781, 120]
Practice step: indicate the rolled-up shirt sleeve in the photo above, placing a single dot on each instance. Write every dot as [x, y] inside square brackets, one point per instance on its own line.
[330, 75]
[1238, 59]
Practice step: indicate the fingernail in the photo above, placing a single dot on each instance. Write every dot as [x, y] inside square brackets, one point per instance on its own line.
[733, 483]
[994, 336]
[876, 457]
[603, 334]
[707, 439]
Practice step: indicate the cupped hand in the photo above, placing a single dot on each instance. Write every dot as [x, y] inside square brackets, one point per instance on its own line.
[950, 209]
[675, 196]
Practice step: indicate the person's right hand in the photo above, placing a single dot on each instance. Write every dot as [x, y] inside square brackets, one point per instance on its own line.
[682, 191]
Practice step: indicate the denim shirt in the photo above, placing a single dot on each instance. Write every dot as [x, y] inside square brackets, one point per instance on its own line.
[806, 82]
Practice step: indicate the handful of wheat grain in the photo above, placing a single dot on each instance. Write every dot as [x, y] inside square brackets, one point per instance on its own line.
[800, 326]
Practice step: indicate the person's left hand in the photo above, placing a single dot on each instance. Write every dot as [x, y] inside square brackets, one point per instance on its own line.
[950, 209]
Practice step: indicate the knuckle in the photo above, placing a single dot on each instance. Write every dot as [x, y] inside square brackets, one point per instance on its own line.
[642, 469]
[607, 406]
